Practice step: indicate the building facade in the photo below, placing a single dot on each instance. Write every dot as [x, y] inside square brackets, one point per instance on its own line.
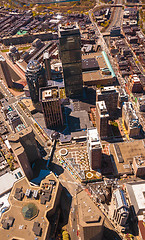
[35, 76]
[120, 209]
[102, 118]
[130, 119]
[4, 72]
[94, 148]
[70, 54]
[139, 166]
[110, 96]
[51, 106]
[46, 59]
[91, 220]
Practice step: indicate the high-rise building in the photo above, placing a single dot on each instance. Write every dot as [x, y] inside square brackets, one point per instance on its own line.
[35, 76]
[102, 118]
[90, 218]
[27, 138]
[51, 106]
[94, 148]
[70, 54]
[110, 96]
[4, 72]
[46, 59]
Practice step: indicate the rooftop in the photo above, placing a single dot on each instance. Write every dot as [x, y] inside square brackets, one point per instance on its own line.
[49, 93]
[89, 64]
[136, 193]
[89, 214]
[30, 212]
[68, 29]
[103, 69]
[2, 59]
[127, 151]
[8, 179]
[102, 108]
[93, 138]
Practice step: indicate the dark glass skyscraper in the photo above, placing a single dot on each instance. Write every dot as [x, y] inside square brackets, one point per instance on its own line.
[35, 76]
[70, 54]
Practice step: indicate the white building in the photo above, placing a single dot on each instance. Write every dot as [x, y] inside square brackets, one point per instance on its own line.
[94, 148]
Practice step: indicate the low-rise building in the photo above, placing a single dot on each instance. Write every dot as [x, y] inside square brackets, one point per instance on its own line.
[134, 84]
[139, 166]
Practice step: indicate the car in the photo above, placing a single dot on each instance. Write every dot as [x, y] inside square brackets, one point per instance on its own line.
[16, 176]
[19, 174]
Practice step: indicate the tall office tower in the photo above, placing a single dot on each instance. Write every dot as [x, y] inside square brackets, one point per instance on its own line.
[102, 118]
[94, 148]
[51, 106]
[35, 76]
[46, 59]
[70, 54]
[110, 96]
[27, 138]
[4, 72]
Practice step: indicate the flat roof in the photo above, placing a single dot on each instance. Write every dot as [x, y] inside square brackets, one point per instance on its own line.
[104, 65]
[49, 93]
[22, 228]
[7, 180]
[28, 103]
[79, 120]
[136, 193]
[89, 214]
[90, 63]
[128, 151]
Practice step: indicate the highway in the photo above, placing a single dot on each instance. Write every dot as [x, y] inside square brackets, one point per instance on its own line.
[116, 20]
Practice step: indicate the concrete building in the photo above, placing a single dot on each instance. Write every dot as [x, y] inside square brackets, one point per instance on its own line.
[123, 97]
[135, 193]
[51, 106]
[102, 118]
[134, 84]
[110, 96]
[94, 148]
[119, 208]
[4, 72]
[139, 166]
[91, 220]
[14, 119]
[25, 148]
[141, 103]
[46, 59]
[13, 53]
[20, 155]
[70, 54]
[32, 209]
[97, 69]
[35, 76]
[130, 119]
